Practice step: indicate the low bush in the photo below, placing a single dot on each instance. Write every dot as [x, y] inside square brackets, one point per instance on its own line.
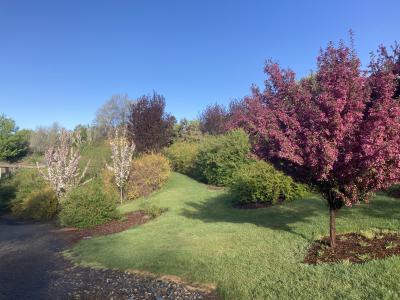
[149, 173]
[33, 198]
[220, 156]
[87, 206]
[26, 182]
[152, 210]
[260, 182]
[40, 205]
[182, 156]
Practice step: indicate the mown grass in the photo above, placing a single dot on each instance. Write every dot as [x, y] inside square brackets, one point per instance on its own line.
[248, 254]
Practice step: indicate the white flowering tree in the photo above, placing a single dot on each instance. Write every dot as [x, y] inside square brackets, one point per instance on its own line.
[62, 166]
[121, 155]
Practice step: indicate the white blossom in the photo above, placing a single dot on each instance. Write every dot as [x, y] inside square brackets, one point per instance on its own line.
[62, 166]
[121, 156]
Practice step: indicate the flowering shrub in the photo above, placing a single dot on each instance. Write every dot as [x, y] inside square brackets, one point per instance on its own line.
[62, 161]
[122, 151]
[148, 174]
[260, 182]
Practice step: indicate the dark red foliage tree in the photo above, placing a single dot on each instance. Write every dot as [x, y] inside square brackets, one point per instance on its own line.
[338, 128]
[212, 119]
[388, 61]
[149, 126]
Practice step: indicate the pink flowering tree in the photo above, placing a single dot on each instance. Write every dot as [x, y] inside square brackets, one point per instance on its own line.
[388, 60]
[338, 128]
[62, 166]
[121, 155]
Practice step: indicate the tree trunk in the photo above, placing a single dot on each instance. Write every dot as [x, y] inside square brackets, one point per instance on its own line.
[121, 194]
[332, 226]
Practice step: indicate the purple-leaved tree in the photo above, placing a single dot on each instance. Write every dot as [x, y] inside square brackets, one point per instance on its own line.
[339, 127]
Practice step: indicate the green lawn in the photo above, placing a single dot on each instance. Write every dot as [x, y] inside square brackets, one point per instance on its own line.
[252, 254]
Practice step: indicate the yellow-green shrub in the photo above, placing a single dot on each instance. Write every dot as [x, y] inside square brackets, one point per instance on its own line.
[260, 182]
[220, 156]
[109, 185]
[34, 199]
[182, 156]
[148, 174]
[38, 205]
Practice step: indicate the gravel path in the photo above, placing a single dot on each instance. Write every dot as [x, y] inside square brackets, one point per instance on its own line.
[31, 267]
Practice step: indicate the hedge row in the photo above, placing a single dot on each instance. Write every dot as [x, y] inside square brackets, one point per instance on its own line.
[260, 182]
[224, 160]
[214, 159]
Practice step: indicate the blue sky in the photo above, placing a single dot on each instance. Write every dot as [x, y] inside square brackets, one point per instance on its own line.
[60, 60]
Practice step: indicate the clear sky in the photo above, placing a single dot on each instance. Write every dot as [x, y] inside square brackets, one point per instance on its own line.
[60, 60]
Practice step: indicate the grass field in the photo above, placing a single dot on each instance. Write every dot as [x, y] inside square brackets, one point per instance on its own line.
[248, 254]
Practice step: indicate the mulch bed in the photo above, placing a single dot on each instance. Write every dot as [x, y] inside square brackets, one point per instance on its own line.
[354, 248]
[129, 220]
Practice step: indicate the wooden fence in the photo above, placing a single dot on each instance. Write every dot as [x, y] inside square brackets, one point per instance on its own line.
[6, 168]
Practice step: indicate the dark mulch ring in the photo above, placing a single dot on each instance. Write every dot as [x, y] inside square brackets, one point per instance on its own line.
[128, 220]
[354, 248]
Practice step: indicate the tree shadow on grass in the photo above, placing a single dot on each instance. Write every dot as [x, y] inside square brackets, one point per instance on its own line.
[381, 206]
[279, 217]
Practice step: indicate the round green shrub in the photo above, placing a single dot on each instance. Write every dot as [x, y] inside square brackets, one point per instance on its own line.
[182, 156]
[260, 182]
[88, 206]
[220, 156]
[152, 210]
